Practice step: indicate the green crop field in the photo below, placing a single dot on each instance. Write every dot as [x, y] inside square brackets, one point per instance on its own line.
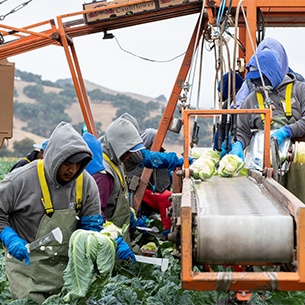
[142, 284]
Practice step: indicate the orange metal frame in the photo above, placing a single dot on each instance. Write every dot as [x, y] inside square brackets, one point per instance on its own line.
[233, 281]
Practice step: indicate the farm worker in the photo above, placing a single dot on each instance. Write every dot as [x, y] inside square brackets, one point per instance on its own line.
[164, 162]
[287, 96]
[36, 153]
[26, 213]
[274, 45]
[120, 141]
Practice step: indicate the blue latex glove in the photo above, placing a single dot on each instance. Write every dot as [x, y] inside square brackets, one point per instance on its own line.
[141, 222]
[165, 232]
[93, 222]
[123, 250]
[135, 222]
[238, 150]
[224, 151]
[15, 245]
[282, 133]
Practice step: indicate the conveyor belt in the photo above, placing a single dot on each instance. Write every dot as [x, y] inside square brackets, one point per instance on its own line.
[237, 221]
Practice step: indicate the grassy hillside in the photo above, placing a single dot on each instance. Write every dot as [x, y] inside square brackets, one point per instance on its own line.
[40, 105]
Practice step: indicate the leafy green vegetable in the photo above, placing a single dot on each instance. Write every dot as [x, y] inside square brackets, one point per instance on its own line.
[203, 168]
[87, 249]
[230, 165]
[6, 165]
[151, 246]
[213, 155]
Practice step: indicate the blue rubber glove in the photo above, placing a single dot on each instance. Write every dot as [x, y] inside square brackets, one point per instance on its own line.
[224, 151]
[123, 250]
[15, 245]
[282, 133]
[135, 221]
[165, 232]
[238, 150]
[93, 222]
[141, 222]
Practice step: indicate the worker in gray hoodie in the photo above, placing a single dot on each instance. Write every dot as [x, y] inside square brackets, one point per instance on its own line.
[35, 199]
[120, 141]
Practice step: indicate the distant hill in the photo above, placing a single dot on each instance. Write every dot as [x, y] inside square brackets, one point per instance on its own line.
[31, 91]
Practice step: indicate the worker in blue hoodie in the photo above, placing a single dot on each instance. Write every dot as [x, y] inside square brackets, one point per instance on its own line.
[274, 45]
[286, 96]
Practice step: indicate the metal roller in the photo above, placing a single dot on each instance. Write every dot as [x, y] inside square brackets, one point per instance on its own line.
[239, 222]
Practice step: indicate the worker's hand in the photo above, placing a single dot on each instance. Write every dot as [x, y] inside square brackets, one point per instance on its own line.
[142, 221]
[282, 133]
[225, 148]
[238, 150]
[123, 250]
[136, 221]
[93, 222]
[15, 245]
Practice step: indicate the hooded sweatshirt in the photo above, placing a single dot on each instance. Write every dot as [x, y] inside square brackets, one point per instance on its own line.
[96, 164]
[20, 191]
[281, 55]
[270, 67]
[120, 136]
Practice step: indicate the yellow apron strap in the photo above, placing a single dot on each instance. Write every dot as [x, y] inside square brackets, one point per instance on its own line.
[46, 198]
[287, 102]
[115, 168]
[261, 105]
[79, 192]
[26, 159]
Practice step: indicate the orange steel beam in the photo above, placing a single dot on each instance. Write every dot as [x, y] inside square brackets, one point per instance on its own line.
[77, 79]
[233, 281]
[170, 108]
[27, 39]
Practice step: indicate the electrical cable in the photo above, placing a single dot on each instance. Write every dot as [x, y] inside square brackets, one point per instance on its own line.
[144, 58]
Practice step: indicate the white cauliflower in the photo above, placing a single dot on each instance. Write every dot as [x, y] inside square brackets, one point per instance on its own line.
[230, 165]
[203, 168]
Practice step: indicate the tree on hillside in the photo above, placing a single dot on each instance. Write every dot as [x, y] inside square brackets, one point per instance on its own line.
[21, 148]
[35, 92]
[28, 77]
[4, 152]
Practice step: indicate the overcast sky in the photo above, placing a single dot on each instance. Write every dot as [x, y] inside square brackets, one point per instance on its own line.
[103, 62]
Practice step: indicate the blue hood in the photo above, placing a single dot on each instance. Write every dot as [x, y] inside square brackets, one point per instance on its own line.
[96, 164]
[225, 84]
[269, 65]
[275, 46]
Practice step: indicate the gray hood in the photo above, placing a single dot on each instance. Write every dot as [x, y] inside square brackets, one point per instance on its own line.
[64, 142]
[120, 136]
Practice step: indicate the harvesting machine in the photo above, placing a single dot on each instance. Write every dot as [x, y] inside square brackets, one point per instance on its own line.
[244, 221]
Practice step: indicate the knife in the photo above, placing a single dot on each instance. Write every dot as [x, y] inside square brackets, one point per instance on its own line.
[153, 232]
[163, 262]
[55, 234]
